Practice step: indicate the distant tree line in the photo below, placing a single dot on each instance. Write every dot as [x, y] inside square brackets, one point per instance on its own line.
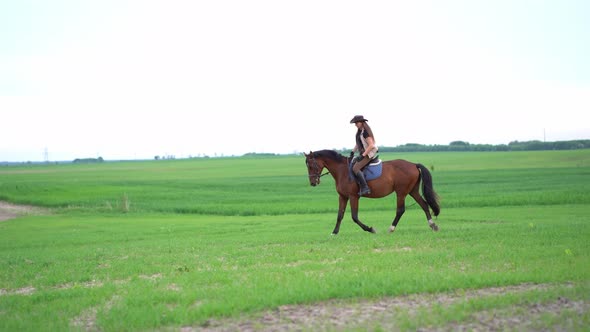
[88, 160]
[256, 154]
[171, 157]
[512, 146]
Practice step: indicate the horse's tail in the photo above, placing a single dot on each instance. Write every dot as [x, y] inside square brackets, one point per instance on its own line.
[427, 189]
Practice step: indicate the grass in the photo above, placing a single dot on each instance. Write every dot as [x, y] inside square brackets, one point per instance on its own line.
[205, 240]
[275, 186]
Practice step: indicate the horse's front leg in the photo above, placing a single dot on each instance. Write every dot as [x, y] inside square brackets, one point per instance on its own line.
[354, 209]
[342, 201]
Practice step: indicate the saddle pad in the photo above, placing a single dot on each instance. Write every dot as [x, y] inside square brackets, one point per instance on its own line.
[373, 170]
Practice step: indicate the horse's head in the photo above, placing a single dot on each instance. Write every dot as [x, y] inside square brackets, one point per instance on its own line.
[314, 168]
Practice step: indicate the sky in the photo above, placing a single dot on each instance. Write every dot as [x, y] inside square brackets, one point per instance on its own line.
[132, 79]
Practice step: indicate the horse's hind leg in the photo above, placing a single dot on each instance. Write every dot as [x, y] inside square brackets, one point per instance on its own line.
[401, 208]
[416, 195]
[354, 210]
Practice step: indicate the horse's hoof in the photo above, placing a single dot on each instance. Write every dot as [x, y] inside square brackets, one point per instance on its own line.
[372, 230]
[333, 234]
[434, 227]
[391, 229]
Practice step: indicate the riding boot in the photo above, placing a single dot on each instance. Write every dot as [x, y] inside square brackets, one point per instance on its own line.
[363, 184]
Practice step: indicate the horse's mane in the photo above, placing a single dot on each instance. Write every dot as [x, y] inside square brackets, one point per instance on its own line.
[330, 154]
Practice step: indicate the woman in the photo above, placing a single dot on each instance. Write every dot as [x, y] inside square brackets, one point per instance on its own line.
[365, 144]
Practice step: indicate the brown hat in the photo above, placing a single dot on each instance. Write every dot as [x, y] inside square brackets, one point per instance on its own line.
[358, 118]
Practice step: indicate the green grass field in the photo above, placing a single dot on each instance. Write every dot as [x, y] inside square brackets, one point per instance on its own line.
[171, 244]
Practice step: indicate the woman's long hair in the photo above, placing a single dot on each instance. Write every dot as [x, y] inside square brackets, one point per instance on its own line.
[367, 128]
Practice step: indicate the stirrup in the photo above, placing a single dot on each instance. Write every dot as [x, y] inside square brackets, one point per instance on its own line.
[365, 192]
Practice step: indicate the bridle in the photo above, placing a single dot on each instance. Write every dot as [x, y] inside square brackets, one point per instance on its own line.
[317, 169]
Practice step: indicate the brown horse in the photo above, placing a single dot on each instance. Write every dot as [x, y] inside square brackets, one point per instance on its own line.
[400, 176]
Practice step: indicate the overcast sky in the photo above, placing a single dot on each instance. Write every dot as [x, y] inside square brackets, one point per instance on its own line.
[134, 79]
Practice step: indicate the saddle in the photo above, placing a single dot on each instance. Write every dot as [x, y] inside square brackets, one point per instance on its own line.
[372, 171]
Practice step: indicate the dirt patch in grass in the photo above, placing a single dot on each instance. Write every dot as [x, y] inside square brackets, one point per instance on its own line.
[10, 211]
[383, 314]
[530, 317]
[86, 321]
[21, 291]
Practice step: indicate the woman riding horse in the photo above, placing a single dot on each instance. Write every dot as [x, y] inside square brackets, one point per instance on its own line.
[400, 176]
[365, 144]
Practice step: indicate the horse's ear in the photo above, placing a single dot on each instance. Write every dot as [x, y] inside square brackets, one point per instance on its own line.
[305, 154]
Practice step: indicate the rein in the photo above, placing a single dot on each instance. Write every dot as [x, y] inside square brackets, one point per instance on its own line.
[319, 175]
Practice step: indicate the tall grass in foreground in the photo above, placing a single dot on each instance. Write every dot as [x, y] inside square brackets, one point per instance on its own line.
[150, 271]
